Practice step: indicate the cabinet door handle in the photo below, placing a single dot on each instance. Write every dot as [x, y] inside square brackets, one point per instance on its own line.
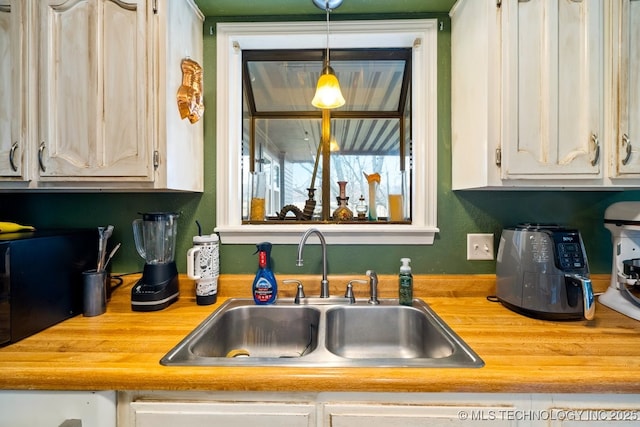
[12, 154]
[41, 158]
[596, 149]
[626, 145]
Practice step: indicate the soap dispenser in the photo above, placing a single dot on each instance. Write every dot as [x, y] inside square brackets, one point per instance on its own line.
[405, 283]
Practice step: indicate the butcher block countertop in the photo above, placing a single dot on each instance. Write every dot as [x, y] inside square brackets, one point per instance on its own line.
[121, 349]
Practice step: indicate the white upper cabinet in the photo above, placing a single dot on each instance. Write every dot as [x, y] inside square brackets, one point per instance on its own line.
[93, 81]
[12, 70]
[626, 42]
[535, 93]
[102, 84]
[552, 96]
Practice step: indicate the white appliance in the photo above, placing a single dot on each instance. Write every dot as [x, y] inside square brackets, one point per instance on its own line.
[622, 219]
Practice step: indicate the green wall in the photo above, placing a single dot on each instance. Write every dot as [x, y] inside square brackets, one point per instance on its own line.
[459, 212]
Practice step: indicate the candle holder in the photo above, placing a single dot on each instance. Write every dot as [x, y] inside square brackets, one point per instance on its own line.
[309, 205]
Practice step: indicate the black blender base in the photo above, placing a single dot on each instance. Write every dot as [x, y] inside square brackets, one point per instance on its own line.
[152, 292]
[158, 304]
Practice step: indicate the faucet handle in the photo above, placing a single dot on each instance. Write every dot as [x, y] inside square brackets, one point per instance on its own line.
[299, 293]
[349, 292]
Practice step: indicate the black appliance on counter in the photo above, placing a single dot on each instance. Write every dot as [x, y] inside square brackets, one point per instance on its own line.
[41, 278]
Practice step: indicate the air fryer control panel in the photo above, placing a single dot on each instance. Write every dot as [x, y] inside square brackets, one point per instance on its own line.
[569, 253]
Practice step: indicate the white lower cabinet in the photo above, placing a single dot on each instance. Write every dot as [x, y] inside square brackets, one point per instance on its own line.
[27, 408]
[199, 414]
[591, 410]
[238, 409]
[449, 413]
[190, 409]
[30, 408]
[222, 409]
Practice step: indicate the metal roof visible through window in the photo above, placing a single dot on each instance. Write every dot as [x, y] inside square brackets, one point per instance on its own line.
[279, 84]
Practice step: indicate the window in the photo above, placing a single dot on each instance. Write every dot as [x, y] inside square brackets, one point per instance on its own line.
[416, 36]
[369, 135]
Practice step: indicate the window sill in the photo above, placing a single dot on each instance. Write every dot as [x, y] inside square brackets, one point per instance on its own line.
[335, 234]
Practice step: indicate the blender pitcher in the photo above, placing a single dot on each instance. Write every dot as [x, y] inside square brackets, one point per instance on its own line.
[155, 238]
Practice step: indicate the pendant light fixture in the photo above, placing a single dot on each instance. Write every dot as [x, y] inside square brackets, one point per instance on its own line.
[328, 94]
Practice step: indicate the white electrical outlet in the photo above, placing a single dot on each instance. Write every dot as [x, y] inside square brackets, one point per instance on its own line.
[480, 246]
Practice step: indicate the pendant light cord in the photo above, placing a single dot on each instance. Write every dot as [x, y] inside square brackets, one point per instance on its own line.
[326, 67]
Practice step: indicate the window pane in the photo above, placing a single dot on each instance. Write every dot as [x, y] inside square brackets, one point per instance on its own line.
[370, 85]
[289, 86]
[286, 150]
[282, 131]
[366, 146]
[283, 85]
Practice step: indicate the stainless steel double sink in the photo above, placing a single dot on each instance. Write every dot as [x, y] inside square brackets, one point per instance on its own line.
[240, 333]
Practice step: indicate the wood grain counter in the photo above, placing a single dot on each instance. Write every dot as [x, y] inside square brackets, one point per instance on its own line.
[121, 349]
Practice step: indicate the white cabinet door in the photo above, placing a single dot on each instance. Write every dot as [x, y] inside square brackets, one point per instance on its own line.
[179, 143]
[93, 80]
[57, 408]
[89, 95]
[12, 105]
[383, 415]
[528, 94]
[626, 21]
[222, 414]
[595, 410]
[552, 56]
[475, 94]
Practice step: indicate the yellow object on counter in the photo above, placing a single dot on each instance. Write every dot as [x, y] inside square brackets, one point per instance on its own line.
[12, 227]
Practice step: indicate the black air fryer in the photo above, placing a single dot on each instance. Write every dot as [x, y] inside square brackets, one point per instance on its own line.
[542, 272]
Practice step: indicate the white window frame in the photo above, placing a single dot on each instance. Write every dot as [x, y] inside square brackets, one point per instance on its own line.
[421, 34]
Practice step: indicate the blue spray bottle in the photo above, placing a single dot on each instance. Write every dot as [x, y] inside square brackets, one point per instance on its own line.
[265, 287]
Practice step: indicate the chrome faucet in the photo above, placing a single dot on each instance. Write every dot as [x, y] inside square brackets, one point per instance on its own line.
[324, 284]
[373, 284]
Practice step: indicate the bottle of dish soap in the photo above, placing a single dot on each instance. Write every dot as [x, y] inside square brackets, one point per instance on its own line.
[265, 287]
[406, 283]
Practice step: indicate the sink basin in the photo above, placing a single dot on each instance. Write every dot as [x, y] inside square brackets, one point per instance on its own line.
[388, 332]
[240, 333]
[260, 331]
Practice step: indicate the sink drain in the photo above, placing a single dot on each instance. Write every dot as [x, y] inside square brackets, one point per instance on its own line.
[238, 352]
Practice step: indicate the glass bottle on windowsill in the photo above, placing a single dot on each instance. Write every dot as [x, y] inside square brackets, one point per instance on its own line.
[342, 213]
[361, 208]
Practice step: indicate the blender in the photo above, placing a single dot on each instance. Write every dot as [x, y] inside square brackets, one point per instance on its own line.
[155, 238]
